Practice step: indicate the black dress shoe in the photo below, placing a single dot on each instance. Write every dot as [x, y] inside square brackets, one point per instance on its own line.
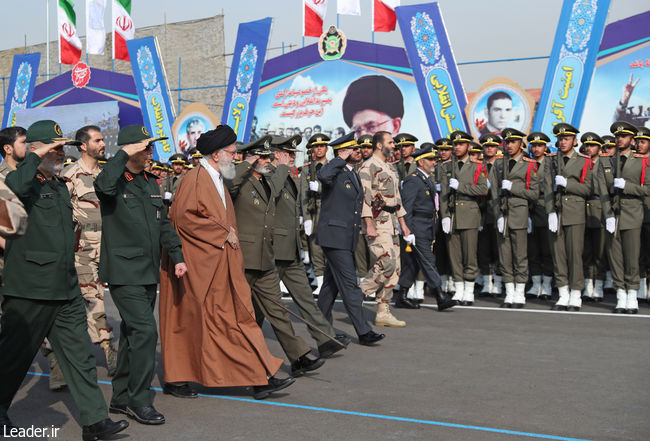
[330, 347]
[545, 297]
[6, 425]
[370, 338]
[506, 305]
[118, 408]
[466, 303]
[344, 339]
[275, 384]
[305, 364]
[103, 429]
[517, 305]
[180, 390]
[558, 308]
[146, 415]
[443, 301]
[573, 308]
[631, 311]
[619, 311]
[402, 301]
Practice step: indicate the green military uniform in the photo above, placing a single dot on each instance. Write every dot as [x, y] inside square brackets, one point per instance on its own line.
[441, 246]
[459, 209]
[566, 205]
[514, 186]
[254, 201]
[133, 231]
[406, 165]
[41, 290]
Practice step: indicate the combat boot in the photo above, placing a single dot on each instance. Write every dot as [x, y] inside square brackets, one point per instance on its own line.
[444, 302]
[57, 380]
[401, 301]
[111, 356]
[385, 318]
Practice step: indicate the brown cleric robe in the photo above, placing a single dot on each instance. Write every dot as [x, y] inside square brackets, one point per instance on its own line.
[207, 322]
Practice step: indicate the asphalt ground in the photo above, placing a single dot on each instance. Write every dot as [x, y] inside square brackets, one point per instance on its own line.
[471, 373]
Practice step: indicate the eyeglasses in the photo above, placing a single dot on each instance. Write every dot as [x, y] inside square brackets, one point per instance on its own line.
[370, 127]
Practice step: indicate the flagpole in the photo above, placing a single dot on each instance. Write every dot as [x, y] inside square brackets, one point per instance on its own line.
[47, 36]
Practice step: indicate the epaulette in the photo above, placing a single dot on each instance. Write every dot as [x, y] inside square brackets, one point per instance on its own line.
[551, 154]
[606, 155]
[414, 174]
[447, 161]
[638, 155]
[128, 176]
[476, 161]
[306, 164]
[584, 156]
[528, 159]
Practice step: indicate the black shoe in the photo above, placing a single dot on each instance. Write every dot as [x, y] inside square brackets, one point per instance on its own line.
[370, 338]
[305, 364]
[180, 390]
[506, 305]
[442, 300]
[619, 311]
[558, 308]
[118, 408]
[329, 348]
[631, 311]
[6, 425]
[573, 308]
[102, 429]
[518, 305]
[146, 415]
[275, 384]
[544, 297]
[344, 338]
[401, 301]
[466, 303]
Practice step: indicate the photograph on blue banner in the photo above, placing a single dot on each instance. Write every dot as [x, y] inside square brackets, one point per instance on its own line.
[195, 119]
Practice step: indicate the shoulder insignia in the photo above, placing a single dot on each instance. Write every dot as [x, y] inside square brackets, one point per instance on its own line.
[551, 154]
[638, 155]
[128, 176]
[528, 159]
[40, 177]
[447, 161]
[606, 155]
[584, 156]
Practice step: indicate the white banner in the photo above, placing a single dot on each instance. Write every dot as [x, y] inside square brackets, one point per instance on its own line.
[95, 32]
[348, 7]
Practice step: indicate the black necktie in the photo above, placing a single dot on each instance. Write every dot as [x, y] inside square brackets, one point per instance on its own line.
[566, 159]
[489, 166]
[460, 165]
[512, 163]
[267, 189]
[623, 159]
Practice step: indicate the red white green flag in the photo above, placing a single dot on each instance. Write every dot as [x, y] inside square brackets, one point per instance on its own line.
[69, 42]
[123, 28]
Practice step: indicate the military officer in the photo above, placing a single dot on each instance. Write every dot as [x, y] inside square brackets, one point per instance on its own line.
[441, 250]
[593, 256]
[622, 205]
[567, 188]
[362, 256]
[195, 156]
[287, 248]
[383, 215]
[419, 198]
[79, 178]
[254, 191]
[170, 184]
[515, 186]
[642, 142]
[69, 160]
[609, 144]
[338, 233]
[463, 183]
[365, 143]
[42, 296]
[540, 262]
[310, 191]
[133, 230]
[405, 142]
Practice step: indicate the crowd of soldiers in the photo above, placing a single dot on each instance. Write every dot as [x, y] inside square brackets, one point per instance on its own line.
[382, 220]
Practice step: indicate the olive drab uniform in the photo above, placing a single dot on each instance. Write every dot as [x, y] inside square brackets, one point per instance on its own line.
[311, 203]
[540, 262]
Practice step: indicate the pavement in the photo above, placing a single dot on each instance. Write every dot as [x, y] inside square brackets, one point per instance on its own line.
[470, 373]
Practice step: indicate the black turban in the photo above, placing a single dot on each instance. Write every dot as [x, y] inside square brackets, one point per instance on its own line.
[374, 92]
[216, 139]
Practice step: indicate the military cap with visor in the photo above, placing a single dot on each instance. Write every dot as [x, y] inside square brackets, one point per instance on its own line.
[178, 158]
[642, 133]
[134, 134]
[564, 129]
[47, 132]
[475, 147]
[289, 144]
[510, 134]
[403, 139]
[591, 138]
[490, 140]
[261, 146]
[444, 144]
[426, 151]
[458, 136]
[608, 141]
[194, 153]
[622, 128]
[364, 141]
[318, 139]
[538, 138]
[344, 142]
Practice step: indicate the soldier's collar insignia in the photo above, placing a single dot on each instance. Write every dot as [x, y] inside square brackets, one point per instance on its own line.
[128, 176]
[40, 177]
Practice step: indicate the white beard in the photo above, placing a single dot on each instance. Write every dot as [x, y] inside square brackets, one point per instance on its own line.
[227, 169]
[51, 167]
[263, 169]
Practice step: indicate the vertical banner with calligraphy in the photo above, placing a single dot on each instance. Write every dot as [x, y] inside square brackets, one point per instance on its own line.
[434, 67]
[571, 64]
[245, 74]
[151, 83]
[21, 86]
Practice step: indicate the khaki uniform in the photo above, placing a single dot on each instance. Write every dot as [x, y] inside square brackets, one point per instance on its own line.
[593, 256]
[540, 261]
[85, 209]
[380, 180]
[488, 246]
[311, 203]
[5, 169]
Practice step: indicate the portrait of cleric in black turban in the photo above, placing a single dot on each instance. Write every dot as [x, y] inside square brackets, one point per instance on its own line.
[373, 103]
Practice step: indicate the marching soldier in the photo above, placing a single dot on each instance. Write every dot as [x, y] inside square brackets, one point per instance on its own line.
[405, 142]
[514, 186]
[642, 141]
[594, 258]
[463, 183]
[441, 250]
[540, 262]
[419, 198]
[623, 212]
[310, 191]
[362, 256]
[609, 148]
[383, 214]
[567, 188]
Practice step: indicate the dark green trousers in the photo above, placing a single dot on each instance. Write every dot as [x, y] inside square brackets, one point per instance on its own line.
[25, 323]
[136, 355]
[513, 255]
[566, 248]
[623, 254]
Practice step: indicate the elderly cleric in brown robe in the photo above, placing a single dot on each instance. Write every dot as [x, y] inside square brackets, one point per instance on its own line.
[207, 322]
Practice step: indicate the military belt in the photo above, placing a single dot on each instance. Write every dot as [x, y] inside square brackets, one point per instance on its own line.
[392, 209]
[91, 227]
[462, 197]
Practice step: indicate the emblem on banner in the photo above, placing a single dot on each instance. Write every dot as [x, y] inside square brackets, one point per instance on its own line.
[424, 36]
[581, 24]
[147, 68]
[246, 72]
[80, 75]
[23, 80]
[332, 44]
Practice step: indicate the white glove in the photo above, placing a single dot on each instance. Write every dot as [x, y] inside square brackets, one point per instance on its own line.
[560, 181]
[300, 219]
[308, 225]
[619, 183]
[480, 228]
[453, 183]
[446, 225]
[167, 196]
[501, 224]
[313, 185]
[506, 185]
[410, 239]
[305, 257]
[530, 226]
[489, 184]
[552, 222]
[438, 187]
[610, 225]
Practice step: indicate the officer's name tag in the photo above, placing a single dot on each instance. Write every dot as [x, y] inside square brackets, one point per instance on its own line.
[607, 169]
[156, 196]
[128, 196]
[47, 196]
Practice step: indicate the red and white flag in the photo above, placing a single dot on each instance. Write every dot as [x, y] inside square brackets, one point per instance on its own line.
[123, 28]
[348, 7]
[383, 15]
[313, 13]
[69, 42]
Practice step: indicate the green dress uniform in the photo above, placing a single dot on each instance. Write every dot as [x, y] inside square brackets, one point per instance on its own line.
[42, 296]
[133, 231]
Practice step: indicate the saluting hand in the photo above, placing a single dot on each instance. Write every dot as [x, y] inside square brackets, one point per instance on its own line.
[282, 157]
[132, 149]
[252, 158]
[45, 148]
[345, 153]
[180, 269]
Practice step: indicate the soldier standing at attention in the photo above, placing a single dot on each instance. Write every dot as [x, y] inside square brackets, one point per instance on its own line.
[310, 191]
[170, 184]
[133, 231]
[463, 182]
[567, 188]
[441, 250]
[514, 187]
[383, 215]
[362, 257]
[405, 142]
[642, 141]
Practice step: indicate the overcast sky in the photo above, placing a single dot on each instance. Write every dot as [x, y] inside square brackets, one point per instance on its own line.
[478, 29]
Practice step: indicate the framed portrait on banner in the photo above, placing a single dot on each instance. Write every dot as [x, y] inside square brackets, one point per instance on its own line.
[190, 124]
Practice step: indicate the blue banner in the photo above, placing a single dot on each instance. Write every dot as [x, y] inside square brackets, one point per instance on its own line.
[571, 65]
[245, 75]
[434, 67]
[151, 83]
[21, 86]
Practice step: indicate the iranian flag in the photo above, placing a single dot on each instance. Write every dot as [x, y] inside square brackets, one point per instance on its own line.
[313, 13]
[123, 28]
[69, 42]
[383, 15]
